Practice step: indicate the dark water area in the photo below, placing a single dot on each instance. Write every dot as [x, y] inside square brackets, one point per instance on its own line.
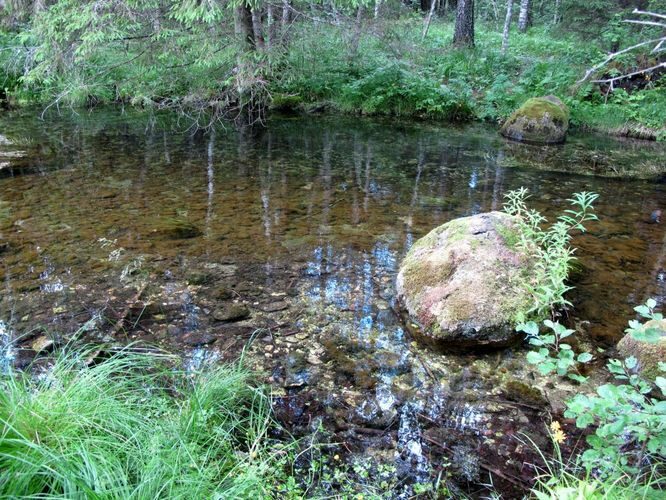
[288, 239]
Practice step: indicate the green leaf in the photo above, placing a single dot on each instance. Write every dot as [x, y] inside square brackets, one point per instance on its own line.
[607, 391]
[530, 328]
[534, 358]
[631, 362]
[584, 357]
[546, 368]
[578, 378]
[643, 311]
[584, 420]
[649, 335]
[661, 383]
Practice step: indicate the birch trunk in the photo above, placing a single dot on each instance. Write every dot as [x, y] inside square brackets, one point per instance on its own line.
[524, 16]
[507, 26]
[426, 27]
[258, 28]
[356, 36]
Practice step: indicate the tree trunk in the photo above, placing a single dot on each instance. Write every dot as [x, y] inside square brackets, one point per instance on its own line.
[463, 35]
[270, 20]
[524, 17]
[243, 26]
[38, 6]
[257, 28]
[356, 35]
[378, 4]
[426, 27]
[286, 14]
[556, 17]
[507, 26]
[495, 11]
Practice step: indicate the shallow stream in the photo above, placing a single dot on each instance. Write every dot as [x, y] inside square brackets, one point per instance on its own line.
[286, 242]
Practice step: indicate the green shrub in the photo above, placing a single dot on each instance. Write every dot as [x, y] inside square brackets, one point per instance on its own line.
[629, 424]
[550, 247]
[552, 354]
[394, 90]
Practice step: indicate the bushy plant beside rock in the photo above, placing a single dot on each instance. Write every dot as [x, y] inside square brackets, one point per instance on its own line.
[550, 247]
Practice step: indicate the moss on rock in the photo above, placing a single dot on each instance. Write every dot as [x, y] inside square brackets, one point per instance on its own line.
[464, 285]
[540, 120]
[286, 103]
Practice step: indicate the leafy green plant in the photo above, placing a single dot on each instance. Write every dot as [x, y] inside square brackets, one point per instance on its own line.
[395, 90]
[629, 424]
[550, 247]
[552, 354]
[645, 332]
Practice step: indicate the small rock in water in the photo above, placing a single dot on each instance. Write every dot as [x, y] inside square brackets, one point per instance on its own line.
[661, 275]
[223, 293]
[275, 306]
[200, 278]
[314, 360]
[41, 344]
[196, 339]
[655, 216]
[172, 330]
[176, 229]
[231, 312]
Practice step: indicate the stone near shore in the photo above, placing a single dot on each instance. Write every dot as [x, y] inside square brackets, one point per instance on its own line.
[463, 284]
[648, 354]
[540, 120]
[231, 312]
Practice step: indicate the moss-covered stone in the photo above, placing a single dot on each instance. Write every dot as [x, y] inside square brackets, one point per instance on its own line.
[648, 354]
[463, 285]
[286, 103]
[541, 120]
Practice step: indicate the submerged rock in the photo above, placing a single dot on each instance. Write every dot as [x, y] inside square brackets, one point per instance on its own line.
[42, 344]
[648, 354]
[464, 282]
[171, 228]
[231, 312]
[541, 120]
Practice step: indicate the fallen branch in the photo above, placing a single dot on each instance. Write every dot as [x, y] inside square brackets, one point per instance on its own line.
[612, 56]
[488, 468]
[124, 315]
[629, 75]
[657, 42]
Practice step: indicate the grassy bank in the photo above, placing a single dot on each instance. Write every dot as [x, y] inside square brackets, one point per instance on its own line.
[430, 79]
[383, 66]
[132, 426]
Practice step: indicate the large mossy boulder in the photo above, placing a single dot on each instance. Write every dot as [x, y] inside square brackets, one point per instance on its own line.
[541, 120]
[463, 284]
[648, 354]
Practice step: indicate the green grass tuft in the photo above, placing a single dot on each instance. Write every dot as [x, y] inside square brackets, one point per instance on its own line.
[133, 427]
